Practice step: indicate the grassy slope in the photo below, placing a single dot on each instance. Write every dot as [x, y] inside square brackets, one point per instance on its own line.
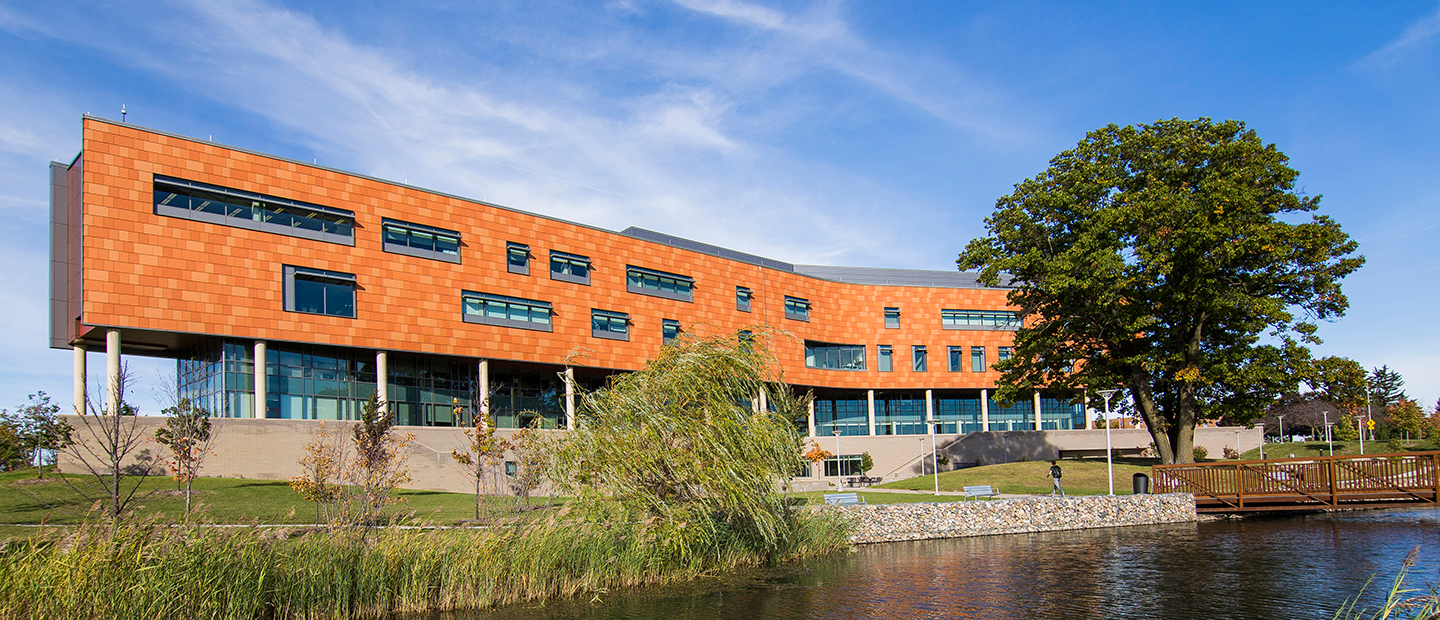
[223, 500]
[1081, 477]
[1311, 449]
[233, 500]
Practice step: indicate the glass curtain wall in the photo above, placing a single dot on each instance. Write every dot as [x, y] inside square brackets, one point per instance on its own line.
[847, 413]
[1017, 416]
[900, 414]
[521, 397]
[424, 390]
[219, 377]
[314, 382]
[1060, 414]
[958, 412]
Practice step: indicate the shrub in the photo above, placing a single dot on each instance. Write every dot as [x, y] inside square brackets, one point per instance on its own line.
[1230, 453]
[1200, 452]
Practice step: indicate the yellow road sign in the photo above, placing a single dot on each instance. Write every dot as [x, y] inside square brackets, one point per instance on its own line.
[1370, 424]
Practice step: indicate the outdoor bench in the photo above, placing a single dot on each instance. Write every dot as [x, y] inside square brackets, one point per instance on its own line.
[843, 499]
[981, 491]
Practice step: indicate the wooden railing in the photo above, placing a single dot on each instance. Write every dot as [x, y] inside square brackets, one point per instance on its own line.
[1305, 483]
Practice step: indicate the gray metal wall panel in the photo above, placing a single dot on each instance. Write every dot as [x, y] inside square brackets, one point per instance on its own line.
[59, 255]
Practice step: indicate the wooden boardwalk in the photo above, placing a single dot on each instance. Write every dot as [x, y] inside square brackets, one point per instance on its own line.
[1318, 483]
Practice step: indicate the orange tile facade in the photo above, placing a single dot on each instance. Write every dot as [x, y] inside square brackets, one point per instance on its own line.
[150, 272]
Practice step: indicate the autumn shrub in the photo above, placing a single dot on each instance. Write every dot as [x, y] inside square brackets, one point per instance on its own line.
[1200, 452]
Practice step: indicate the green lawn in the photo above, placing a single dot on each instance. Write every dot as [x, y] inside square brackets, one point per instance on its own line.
[220, 500]
[817, 497]
[1312, 449]
[1081, 477]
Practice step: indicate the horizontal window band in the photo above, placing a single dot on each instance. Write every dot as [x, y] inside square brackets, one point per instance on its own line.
[419, 228]
[183, 184]
[321, 273]
[502, 298]
[576, 258]
[609, 314]
[661, 274]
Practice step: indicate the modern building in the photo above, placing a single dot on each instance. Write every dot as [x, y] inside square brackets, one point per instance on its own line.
[289, 290]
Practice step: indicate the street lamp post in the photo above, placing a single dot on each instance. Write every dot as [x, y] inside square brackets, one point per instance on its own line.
[839, 486]
[1109, 459]
[922, 456]
[1237, 442]
[1282, 429]
[1326, 418]
[1360, 428]
[935, 462]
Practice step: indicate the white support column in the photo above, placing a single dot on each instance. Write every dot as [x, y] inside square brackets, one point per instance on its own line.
[382, 380]
[79, 379]
[811, 418]
[764, 401]
[260, 389]
[485, 388]
[985, 410]
[1089, 415]
[112, 372]
[1037, 411]
[870, 410]
[570, 398]
[930, 412]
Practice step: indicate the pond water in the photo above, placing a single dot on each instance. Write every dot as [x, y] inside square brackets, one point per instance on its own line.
[1256, 569]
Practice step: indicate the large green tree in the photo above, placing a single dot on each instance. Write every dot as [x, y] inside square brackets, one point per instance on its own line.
[1169, 260]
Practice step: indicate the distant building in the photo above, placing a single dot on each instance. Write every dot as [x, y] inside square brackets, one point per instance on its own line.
[289, 290]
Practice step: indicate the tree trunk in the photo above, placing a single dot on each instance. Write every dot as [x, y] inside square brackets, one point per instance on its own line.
[1139, 385]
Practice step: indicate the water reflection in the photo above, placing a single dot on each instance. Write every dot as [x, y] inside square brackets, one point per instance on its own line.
[1300, 567]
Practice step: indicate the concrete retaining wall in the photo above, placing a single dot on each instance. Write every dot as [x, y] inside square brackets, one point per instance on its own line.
[896, 522]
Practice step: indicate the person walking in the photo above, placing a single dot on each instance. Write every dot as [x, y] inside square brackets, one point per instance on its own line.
[1055, 477]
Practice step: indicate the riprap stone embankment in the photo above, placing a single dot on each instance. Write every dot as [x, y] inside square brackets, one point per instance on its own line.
[895, 522]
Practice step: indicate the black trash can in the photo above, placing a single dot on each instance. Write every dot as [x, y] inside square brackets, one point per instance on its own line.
[1141, 484]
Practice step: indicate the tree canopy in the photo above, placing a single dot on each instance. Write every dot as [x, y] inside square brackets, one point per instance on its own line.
[1166, 259]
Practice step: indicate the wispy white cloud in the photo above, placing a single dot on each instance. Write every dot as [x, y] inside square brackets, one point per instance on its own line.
[1416, 36]
[822, 37]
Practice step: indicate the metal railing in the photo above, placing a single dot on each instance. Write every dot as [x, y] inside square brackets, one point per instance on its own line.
[1305, 483]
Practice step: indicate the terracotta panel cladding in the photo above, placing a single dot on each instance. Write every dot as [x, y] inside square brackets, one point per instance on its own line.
[168, 274]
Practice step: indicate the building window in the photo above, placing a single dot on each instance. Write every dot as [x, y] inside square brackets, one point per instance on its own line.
[569, 267]
[834, 356]
[892, 318]
[742, 298]
[845, 465]
[797, 308]
[503, 311]
[1005, 353]
[203, 202]
[979, 319]
[957, 357]
[316, 291]
[517, 258]
[919, 355]
[977, 359]
[886, 357]
[610, 325]
[419, 240]
[659, 284]
[669, 330]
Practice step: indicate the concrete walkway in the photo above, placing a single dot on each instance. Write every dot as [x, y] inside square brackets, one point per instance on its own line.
[931, 493]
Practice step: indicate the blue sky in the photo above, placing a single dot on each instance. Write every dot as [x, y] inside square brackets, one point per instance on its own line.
[873, 134]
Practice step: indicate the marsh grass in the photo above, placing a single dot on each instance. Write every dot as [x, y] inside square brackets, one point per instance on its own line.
[1400, 603]
[157, 571]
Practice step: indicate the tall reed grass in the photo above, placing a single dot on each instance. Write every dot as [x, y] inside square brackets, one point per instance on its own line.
[150, 571]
